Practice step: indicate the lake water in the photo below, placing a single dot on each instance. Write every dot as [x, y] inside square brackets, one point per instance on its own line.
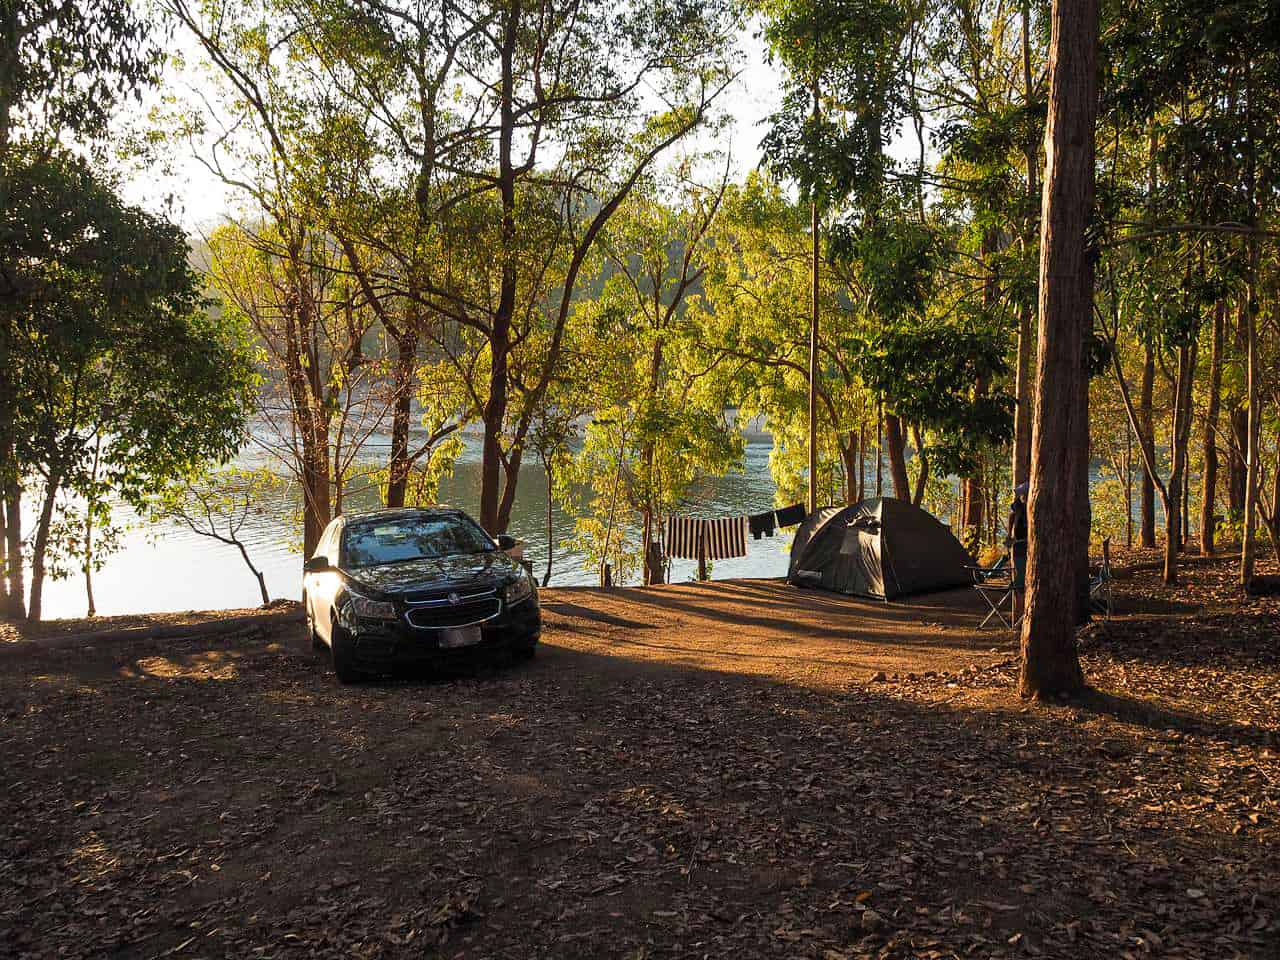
[167, 567]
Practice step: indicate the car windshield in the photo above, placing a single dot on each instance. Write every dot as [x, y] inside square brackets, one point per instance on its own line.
[412, 538]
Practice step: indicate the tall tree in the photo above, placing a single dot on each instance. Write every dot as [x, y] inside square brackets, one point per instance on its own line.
[122, 380]
[1060, 432]
[63, 69]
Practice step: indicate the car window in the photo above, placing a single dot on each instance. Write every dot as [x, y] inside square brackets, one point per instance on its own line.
[412, 538]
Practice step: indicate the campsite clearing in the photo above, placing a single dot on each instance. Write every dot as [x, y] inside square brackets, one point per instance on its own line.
[693, 770]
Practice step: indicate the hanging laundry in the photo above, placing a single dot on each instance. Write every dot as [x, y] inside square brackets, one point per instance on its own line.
[683, 537]
[790, 516]
[725, 537]
[760, 524]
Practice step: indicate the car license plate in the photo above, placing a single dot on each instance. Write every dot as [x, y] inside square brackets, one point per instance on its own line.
[459, 637]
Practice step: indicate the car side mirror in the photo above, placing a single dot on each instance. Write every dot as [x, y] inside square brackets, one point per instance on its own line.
[506, 541]
[316, 565]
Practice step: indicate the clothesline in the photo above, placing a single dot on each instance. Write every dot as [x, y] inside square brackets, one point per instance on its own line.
[724, 538]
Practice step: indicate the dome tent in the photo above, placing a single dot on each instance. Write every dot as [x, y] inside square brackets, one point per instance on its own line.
[882, 548]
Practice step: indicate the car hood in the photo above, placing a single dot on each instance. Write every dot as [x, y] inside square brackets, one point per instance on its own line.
[461, 569]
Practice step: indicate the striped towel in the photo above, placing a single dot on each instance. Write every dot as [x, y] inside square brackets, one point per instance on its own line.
[725, 537]
[683, 536]
[718, 539]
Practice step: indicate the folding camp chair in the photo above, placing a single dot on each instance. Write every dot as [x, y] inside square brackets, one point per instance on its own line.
[1100, 600]
[995, 584]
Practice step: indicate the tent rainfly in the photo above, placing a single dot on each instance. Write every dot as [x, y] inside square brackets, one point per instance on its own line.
[881, 548]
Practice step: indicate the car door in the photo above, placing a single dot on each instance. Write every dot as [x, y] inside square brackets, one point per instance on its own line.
[321, 587]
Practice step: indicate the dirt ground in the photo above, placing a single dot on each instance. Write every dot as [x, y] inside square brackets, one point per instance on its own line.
[688, 771]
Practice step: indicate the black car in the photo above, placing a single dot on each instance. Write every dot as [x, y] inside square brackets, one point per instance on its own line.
[414, 585]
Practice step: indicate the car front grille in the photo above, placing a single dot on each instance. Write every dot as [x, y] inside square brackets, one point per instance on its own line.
[435, 611]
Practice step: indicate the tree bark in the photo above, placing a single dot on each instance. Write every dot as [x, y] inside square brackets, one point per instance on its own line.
[879, 451]
[258, 575]
[91, 608]
[8, 607]
[652, 559]
[897, 443]
[495, 409]
[1026, 315]
[546, 576]
[1060, 429]
[1146, 437]
[922, 478]
[971, 499]
[1252, 398]
[862, 461]
[1209, 451]
[17, 609]
[1180, 435]
[849, 453]
[398, 465]
[40, 545]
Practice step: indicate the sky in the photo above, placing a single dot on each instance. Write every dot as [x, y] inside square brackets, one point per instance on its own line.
[198, 200]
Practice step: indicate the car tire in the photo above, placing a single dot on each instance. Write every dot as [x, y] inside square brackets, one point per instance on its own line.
[343, 653]
[525, 651]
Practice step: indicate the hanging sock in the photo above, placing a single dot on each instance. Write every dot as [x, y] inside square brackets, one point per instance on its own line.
[726, 537]
[790, 516]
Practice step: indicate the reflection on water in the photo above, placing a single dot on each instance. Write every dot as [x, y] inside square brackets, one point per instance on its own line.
[163, 567]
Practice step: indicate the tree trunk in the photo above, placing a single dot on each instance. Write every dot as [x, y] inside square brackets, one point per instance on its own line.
[315, 488]
[1022, 371]
[1238, 428]
[1180, 433]
[1209, 452]
[1252, 398]
[652, 559]
[262, 580]
[510, 484]
[879, 449]
[1273, 522]
[1146, 437]
[1128, 485]
[850, 451]
[546, 576]
[91, 608]
[922, 478]
[41, 545]
[17, 609]
[971, 517]
[4, 556]
[7, 467]
[398, 465]
[1060, 430]
[862, 461]
[897, 443]
[495, 408]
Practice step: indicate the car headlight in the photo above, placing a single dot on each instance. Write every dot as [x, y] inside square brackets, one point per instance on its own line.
[369, 609]
[518, 589]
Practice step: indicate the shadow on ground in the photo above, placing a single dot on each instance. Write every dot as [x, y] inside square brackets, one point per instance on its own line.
[637, 791]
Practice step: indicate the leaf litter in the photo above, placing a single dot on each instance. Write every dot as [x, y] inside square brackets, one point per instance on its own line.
[240, 804]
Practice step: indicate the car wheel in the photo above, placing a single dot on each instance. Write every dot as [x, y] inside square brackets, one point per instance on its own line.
[525, 651]
[342, 648]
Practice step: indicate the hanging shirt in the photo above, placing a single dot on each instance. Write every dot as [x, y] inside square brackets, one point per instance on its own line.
[790, 516]
[760, 524]
[725, 537]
